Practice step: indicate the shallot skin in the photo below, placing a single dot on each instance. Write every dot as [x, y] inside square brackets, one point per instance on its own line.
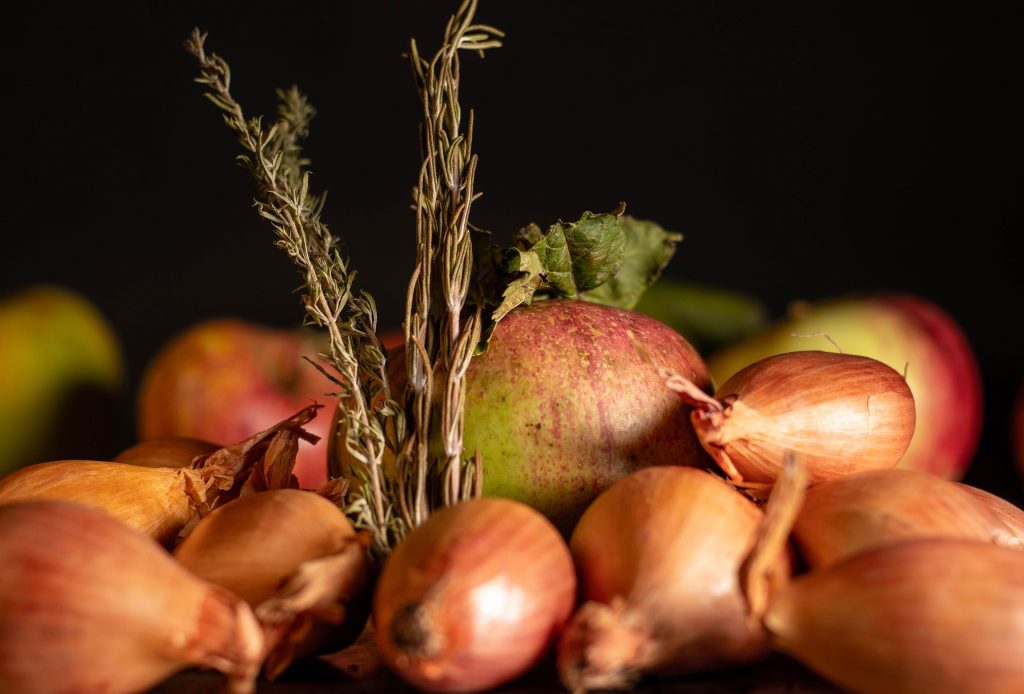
[176, 451]
[869, 509]
[474, 597]
[839, 413]
[253, 544]
[262, 546]
[88, 605]
[937, 616]
[1009, 514]
[662, 548]
[154, 501]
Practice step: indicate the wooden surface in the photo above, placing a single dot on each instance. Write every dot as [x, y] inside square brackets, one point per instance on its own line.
[336, 674]
[776, 677]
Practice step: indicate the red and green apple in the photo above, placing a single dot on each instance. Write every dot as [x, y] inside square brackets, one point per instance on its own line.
[225, 380]
[909, 334]
[569, 397]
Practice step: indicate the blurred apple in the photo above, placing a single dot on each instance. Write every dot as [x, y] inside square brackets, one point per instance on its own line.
[1018, 428]
[60, 376]
[905, 332]
[709, 317]
[225, 380]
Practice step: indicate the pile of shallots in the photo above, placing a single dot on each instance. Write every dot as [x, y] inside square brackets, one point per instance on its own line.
[116, 575]
[897, 581]
[260, 573]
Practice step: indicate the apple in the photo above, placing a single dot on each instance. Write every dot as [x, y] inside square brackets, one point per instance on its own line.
[710, 317]
[61, 372]
[224, 380]
[905, 332]
[1018, 428]
[568, 398]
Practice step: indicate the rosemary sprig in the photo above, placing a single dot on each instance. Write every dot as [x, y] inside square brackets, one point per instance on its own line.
[441, 337]
[273, 156]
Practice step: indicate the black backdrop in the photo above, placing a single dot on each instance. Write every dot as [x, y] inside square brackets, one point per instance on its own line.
[804, 151]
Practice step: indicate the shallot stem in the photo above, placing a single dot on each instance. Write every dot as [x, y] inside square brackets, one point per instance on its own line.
[757, 576]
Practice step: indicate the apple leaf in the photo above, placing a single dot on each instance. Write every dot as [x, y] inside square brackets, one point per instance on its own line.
[563, 261]
[605, 258]
[649, 247]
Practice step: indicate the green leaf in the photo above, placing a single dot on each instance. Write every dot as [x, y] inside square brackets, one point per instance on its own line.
[528, 275]
[563, 261]
[605, 258]
[648, 248]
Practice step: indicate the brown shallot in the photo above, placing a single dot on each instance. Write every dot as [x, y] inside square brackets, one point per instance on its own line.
[89, 605]
[473, 597]
[161, 501]
[294, 557]
[840, 413]
[658, 557]
[1009, 514]
[178, 451]
[939, 616]
[869, 509]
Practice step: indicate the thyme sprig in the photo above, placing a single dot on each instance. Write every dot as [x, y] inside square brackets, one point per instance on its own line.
[441, 335]
[273, 156]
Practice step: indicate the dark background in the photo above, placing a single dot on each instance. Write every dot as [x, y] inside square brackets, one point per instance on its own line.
[805, 151]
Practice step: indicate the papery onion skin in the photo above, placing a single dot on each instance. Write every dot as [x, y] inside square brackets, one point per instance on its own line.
[474, 597]
[663, 547]
[174, 452]
[873, 508]
[839, 413]
[1007, 512]
[162, 502]
[936, 616]
[907, 333]
[89, 605]
[253, 544]
[154, 501]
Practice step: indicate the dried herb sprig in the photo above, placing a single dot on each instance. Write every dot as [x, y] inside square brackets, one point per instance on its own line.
[273, 156]
[440, 334]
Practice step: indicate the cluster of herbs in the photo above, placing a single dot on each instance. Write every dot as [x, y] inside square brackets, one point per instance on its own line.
[460, 287]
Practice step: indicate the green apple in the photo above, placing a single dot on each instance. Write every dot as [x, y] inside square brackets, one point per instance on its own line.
[710, 317]
[907, 333]
[61, 371]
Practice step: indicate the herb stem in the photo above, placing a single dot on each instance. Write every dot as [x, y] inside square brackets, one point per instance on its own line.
[273, 158]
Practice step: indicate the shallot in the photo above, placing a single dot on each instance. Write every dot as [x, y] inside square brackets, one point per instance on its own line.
[473, 597]
[938, 616]
[658, 556]
[295, 558]
[162, 502]
[869, 509]
[839, 413]
[89, 605]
